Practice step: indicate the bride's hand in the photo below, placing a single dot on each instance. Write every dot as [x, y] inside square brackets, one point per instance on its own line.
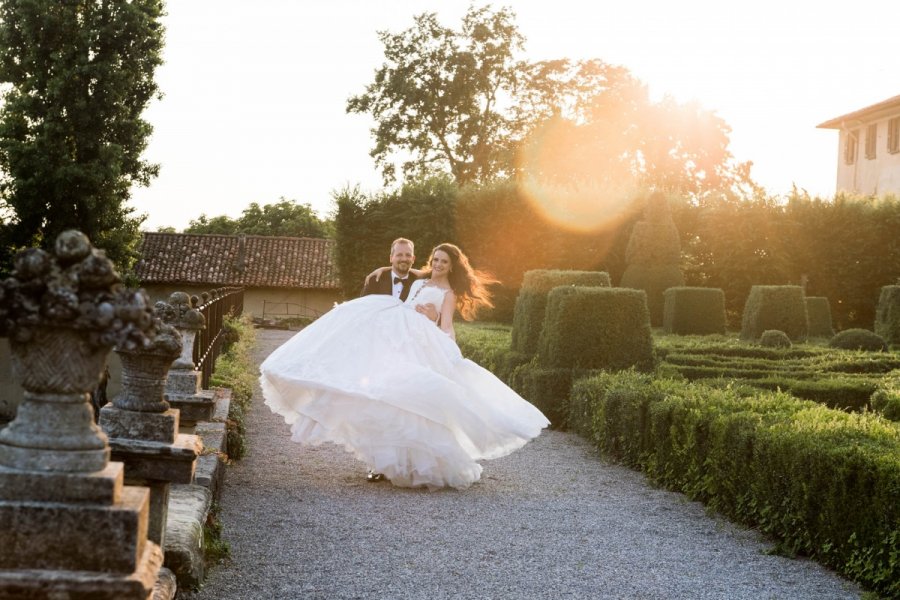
[428, 310]
[376, 274]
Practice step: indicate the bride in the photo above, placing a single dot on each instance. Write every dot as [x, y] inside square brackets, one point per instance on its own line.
[391, 386]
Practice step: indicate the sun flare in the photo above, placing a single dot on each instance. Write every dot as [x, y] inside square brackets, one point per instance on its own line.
[574, 181]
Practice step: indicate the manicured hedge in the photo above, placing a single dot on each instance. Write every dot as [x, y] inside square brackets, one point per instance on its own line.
[836, 362]
[841, 393]
[531, 304]
[547, 389]
[823, 482]
[844, 393]
[488, 345]
[887, 314]
[694, 310]
[653, 255]
[781, 307]
[654, 280]
[818, 312]
[732, 348]
[596, 328]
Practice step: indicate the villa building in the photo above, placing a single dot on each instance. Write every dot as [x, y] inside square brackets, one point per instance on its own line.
[869, 149]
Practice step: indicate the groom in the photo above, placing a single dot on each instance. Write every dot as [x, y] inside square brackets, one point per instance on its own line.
[397, 285]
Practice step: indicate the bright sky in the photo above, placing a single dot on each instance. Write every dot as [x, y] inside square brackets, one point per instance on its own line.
[255, 92]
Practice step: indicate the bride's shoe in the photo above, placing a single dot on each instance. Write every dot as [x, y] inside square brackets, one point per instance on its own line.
[373, 476]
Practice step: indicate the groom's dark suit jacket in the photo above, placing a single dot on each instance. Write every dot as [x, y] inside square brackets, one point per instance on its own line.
[385, 285]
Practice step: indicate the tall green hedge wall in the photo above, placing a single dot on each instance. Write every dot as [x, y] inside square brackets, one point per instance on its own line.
[528, 319]
[781, 307]
[366, 226]
[495, 225]
[844, 247]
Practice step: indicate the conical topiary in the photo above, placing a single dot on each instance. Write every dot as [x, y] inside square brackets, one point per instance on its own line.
[653, 256]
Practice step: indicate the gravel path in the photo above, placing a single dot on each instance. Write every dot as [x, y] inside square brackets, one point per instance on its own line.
[554, 520]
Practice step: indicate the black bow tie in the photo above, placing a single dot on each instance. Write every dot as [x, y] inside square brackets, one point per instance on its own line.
[399, 280]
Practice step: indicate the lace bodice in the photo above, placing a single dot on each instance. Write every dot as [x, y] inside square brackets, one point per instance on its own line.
[420, 293]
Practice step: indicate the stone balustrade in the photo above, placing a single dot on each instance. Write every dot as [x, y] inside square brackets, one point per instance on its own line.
[85, 509]
[143, 429]
[69, 527]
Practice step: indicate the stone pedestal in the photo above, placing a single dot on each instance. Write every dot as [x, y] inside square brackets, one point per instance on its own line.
[67, 533]
[183, 392]
[75, 535]
[155, 465]
[143, 429]
[69, 527]
[183, 385]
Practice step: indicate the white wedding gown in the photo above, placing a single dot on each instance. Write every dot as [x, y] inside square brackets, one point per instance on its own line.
[387, 384]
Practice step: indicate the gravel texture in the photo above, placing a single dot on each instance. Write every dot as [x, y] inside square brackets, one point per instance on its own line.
[553, 520]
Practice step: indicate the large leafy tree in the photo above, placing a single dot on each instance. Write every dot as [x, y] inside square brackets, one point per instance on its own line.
[595, 122]
[283, 218]
[461, 102]
[77, 75]
[441, 99]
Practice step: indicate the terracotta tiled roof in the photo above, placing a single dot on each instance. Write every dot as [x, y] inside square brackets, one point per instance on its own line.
[250, 261]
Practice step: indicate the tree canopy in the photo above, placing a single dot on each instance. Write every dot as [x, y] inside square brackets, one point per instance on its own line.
[440, 96]
[283, 218]
[461, 102]
[77, 76]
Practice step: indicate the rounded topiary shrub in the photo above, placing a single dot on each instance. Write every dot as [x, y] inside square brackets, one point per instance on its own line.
[528, 317]
[858, 339]
[887, 314]
[596, 328]
[818, 312]
[773, 338]
[781, 307]
[694, 311]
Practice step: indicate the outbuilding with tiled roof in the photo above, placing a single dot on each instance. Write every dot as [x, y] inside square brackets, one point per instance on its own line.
[282, 276]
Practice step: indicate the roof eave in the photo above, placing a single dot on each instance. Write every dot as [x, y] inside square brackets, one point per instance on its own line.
[863, 116]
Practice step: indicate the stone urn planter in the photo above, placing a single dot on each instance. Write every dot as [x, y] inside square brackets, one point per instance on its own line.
[63, 312]
[144, 372]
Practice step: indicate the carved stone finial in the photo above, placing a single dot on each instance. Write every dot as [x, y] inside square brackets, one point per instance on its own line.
[63, 311]
[181, 312]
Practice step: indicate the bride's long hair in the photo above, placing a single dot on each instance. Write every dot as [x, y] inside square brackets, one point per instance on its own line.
[469, 284]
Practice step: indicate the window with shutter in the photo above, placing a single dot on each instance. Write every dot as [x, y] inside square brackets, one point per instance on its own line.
[871, 135]
[893, 136]
[850, 142]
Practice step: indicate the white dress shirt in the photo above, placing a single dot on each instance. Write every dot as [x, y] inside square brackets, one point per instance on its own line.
[397, 287]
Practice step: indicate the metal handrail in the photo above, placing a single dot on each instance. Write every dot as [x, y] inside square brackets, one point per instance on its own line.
[215, 305]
